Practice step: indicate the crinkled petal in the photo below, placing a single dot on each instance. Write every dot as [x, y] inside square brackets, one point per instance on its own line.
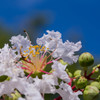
[67, 93]
[59, 71]
[20, 41]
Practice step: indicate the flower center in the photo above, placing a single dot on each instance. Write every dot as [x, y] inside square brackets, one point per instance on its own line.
[35, 59]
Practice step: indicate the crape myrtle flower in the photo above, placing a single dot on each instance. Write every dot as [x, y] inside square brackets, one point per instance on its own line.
[36, 57]
[34, 70]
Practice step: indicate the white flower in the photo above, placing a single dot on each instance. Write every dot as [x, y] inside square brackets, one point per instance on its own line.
[34, 59]
[67, 93]
[59, 71]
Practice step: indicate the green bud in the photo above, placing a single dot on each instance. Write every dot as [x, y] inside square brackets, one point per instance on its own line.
[80, 82]
[77, 73]
[69, 73]
[86, 59]
[98, 65]
[62, 62]
[96, 70]
[97, 84]
[90, 92]
[98, 78]
[14, 96]
[94, 67]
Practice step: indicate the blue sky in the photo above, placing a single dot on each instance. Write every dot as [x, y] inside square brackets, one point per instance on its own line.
[70, 17]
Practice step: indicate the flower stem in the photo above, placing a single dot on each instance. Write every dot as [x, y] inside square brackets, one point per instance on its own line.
[73, 87]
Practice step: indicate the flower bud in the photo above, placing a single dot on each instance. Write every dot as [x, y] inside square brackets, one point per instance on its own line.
[62, 62]
[96, 69]
[69, 73]
[14, 96]
[98, 65]
[98, 78]
[86, 59]
[80, 82]
[77, 73]
[97, 84]
[90, 92]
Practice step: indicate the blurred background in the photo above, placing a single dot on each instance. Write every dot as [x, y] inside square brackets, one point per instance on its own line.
[75, 19]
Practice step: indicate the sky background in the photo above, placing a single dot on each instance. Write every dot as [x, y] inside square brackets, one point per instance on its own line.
[75, 19]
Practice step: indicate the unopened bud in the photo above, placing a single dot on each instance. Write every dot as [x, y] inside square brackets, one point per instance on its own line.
[96, 70]
[62, 62]
[69, 73]
[90, 92]
[98, 65]
[97, 84]
[86, 59]
[77, 73]
[98, 78]
[80, 82]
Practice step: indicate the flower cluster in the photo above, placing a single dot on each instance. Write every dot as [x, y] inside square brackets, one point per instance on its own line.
[30, 72]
